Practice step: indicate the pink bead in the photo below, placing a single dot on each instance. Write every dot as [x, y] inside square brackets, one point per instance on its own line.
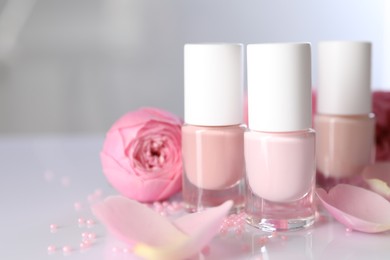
[87, 242]
[348, 229]
[163, 213]
[49, 176]
[84, 235]
[51, 249]
[156, 204]
[84, 245]
[81, 221]
[90, 198]
[65, 181]
[53, 227]
[66, 249]
[114, 249]
[175, 205]
[77, 206]
[125, 250]
[165, 204]
[90, 222]
[91, 235]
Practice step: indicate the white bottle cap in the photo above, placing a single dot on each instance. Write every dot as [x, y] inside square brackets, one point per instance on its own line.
[344, 78]
[279, 87]
[213, 84]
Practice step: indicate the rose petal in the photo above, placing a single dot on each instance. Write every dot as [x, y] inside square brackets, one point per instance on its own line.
[143, 115]
[132, 222]
[137, 188]
[209, 220]
[357, 208]
[377, 177]
[200, 227]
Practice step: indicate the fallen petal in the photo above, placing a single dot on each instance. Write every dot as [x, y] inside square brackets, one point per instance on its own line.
[357, 208]
[377, 177]
[133, 222]
[200, 227]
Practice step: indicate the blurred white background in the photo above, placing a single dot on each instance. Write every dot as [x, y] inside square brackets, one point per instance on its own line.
[75, 66]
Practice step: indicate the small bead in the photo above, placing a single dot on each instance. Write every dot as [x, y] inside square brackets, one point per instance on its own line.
[175, 205]
[53, 226]
[125, 250]
[90, 222]
[66, 249]
[348, 229]
[91, 235]
[51, 249]
[83, 245]
[114, 249]
[159, 209]
[77, 206]
[49, 176]
[90, 198]
[65, 181]
[87, 242]
[165, 204]
[81, 221]
[163, 213]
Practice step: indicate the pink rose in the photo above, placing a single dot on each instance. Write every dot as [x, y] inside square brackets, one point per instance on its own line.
[141, 155]
[381, 107]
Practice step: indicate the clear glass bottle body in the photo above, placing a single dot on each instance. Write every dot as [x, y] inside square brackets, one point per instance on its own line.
[345, 145]
[280, 179]
[214, 168]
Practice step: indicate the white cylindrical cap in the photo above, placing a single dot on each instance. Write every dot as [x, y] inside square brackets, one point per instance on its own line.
[213, 84]
[279, 87]
[344, 78]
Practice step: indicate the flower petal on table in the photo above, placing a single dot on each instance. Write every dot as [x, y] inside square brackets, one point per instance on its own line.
[133, 222]
[200, 227]
[357, 208]
[377, 177]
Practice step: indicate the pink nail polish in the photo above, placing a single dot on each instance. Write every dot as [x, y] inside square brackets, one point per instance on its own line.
[213, 134]
[344, 123]
[280, 145]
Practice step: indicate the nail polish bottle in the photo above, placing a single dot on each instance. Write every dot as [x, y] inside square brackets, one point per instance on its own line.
[280, 144]
[344, 123]
[213, 133]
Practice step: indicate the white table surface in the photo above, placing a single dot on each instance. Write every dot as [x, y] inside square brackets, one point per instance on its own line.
[42, 177]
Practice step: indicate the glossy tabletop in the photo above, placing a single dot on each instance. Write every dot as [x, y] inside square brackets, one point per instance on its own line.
[49, 180]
